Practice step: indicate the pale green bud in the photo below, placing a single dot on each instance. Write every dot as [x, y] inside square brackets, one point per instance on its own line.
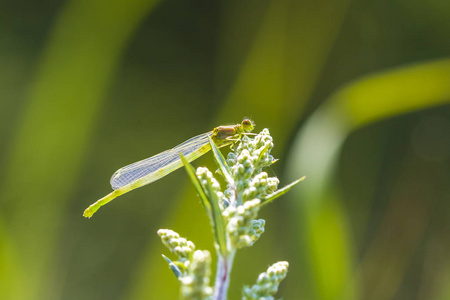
[241, 227]
[246, 164]
[260, 185]
[257, 228]
[176, 244]
[195, 285]
[267, 284]
[207, 179]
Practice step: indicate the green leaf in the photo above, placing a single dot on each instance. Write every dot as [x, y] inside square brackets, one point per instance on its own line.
[173, 267]
[218, 222]
[269, 198]
[274, 161]
[193, 176]
[266, 148]
[211, 204]
[221, 162]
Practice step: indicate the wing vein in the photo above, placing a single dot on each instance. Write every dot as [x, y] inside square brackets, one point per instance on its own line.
[152, 168]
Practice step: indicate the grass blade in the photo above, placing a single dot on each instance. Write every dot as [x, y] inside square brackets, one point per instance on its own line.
[221, 162]
[269, 198]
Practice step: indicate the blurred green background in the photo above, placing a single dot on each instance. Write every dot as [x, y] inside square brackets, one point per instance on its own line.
[355, 93]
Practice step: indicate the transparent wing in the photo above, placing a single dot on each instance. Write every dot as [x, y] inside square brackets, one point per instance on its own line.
[153, 168]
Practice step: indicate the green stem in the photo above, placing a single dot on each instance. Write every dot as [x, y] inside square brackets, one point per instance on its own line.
[224, 265]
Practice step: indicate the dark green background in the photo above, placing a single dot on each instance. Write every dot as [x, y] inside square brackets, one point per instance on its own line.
[87, 87]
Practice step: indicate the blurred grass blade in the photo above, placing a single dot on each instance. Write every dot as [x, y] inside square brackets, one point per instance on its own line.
[323, 222]
[78, 63]
[272, 60]
[395, 91]
[442, 291]
[221, 162]
[269, 198]
[10, 271]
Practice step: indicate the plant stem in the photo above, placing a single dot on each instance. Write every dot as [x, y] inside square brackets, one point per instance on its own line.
[224, 264]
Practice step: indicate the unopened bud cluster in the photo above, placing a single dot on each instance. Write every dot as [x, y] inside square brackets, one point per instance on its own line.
[250, 185]
[259, 186]
[195, 285]
[267, 284]
[176, 244]
[193, 268]
[239, 204]
[242, 227]
[207, 179]
[246, 164]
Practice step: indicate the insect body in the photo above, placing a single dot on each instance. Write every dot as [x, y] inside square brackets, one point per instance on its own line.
[153, 168]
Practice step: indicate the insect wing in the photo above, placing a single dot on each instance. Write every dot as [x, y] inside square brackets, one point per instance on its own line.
[167, 159]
